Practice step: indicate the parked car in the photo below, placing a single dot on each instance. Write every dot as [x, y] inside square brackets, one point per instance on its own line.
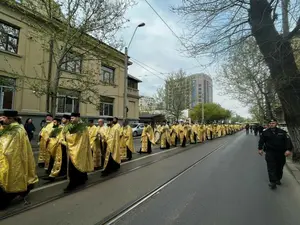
[137, 129]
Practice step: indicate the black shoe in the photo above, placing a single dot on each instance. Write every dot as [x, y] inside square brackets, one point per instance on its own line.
[278, 182]
[104, 174]
[97, 168]
[41, 165]
[272, 186]
[69, 189]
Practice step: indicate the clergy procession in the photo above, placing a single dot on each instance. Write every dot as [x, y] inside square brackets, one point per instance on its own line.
[70, 148]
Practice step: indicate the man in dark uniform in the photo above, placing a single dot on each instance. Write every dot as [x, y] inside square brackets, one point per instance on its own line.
[277, 145]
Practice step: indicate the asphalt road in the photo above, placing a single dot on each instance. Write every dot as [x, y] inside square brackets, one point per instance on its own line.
[228, 188]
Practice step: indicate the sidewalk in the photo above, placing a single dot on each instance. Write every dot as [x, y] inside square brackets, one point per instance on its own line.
[294, 168]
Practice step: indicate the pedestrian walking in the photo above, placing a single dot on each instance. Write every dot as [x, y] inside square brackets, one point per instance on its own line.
[30, 128]
[247, 128]
[276, 144]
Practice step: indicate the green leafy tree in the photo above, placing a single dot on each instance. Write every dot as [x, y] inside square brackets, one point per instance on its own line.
[212, 112]
[237, 119]
[245, 77]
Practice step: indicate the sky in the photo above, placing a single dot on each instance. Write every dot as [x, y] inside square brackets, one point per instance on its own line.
[157, 49]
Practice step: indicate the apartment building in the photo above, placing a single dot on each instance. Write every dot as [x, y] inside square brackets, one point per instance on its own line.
[196, 88]
[201, 89]
[23, 58]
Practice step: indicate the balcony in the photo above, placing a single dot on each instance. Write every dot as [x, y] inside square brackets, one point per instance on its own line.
[134, 93]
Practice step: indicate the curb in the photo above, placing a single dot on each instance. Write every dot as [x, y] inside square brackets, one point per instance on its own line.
[293, 169]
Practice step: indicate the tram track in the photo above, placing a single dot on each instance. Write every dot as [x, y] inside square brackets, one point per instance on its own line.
[168, 154]
[113, 218]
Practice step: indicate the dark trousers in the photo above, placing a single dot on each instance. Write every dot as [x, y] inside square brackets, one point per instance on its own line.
[275, 164]
[76, 177]
[103, 152]
[183, 142]
[64, 163]
[112, 165]
[129, 154]
[6, 198]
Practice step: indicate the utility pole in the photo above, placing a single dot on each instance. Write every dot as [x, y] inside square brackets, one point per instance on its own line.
[125, 108]
[125, 85]
[202, 111]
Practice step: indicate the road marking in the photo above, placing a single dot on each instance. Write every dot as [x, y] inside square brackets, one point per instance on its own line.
[157, 190]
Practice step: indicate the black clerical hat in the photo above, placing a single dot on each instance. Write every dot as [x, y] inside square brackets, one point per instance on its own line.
[10, 113]
[75, 114]
[109, 119]
[68, 117]
[50, 115]
[57, 119]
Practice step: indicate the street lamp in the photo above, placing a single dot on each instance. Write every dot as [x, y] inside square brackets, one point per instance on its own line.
[126, 73]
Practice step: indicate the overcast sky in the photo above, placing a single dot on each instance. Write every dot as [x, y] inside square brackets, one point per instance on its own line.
[155, 46]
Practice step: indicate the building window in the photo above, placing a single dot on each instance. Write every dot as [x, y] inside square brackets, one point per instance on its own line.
[106, 106]
[7, 89]
[132, 84]
[9, 38]
[68, 101]
[72, 63]
[107, 75]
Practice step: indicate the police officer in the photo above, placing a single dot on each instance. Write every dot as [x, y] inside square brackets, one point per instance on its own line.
[277, 145]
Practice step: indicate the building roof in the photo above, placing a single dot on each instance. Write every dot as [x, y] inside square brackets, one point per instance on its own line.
[134, 78]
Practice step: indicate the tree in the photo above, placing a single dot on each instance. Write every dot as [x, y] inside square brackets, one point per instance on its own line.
[174, 97]
[237, 119]
[256, 114]
[245, 76]
[216, 26]
[212, 112]
[72, 32]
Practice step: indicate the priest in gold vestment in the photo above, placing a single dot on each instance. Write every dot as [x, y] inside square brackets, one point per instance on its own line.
[165, 141]
[126, 141]
[101, 135]
[52, 146]
[57, 147]
[112, 157]
[79, 151]
[17, 165]
[95, 144]
[174, 134]
[182, 134]
[44, 157]
[147, 139]
[194, 133]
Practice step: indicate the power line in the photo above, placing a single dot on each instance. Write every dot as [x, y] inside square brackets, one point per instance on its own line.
[149, 71]
[167, 25]
[148, 66]
[173, 32]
